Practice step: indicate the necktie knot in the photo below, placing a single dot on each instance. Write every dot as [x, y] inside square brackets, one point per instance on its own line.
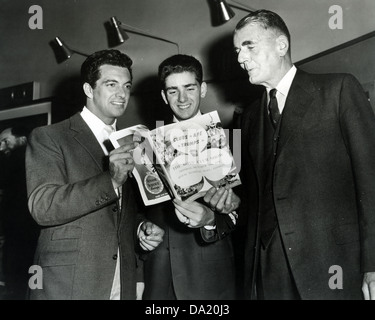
[273, 93]
[107, 130]
[273, 108]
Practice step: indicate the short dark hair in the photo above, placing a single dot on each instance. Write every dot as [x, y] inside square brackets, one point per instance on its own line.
[177, 64]
[20, 131]
[90, 72]
[267, 19]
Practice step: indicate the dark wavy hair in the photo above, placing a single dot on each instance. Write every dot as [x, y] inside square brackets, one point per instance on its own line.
[90, 71]
[177, 64]
[267, 19]
[20, 131]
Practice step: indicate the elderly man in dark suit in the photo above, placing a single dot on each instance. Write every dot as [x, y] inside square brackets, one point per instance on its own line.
[309, 188]
[82, 197]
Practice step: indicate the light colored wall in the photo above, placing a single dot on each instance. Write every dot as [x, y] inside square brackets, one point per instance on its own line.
[26, 55]
[357, 59]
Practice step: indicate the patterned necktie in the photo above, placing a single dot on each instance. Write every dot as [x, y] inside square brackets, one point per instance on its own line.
[273, 108]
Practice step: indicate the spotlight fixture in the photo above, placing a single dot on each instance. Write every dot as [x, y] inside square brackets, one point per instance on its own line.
[119, 29]
[64, 52]
[223, 11]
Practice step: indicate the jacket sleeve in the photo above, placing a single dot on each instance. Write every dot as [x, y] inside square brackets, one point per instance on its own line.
[357, 121]
[224, 226]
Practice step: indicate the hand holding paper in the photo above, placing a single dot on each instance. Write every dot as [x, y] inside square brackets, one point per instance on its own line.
[222, 200]
[198, 214]
[121, 164]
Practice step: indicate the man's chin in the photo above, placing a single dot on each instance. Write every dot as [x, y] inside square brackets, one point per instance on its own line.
[183, 117]
[120, 112]
[252, 79]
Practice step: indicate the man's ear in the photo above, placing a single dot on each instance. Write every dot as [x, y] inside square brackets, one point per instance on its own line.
[282, 45]
[88, 90]
[203, 89]
[164, 96]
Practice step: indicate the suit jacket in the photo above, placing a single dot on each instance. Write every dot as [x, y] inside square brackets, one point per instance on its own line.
[323, 184]
[199, 264]
[20, 230]
[71, 196]
[198, 267]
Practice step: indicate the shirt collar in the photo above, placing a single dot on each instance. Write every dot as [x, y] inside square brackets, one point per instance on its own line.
[286, 82]
[96, 125]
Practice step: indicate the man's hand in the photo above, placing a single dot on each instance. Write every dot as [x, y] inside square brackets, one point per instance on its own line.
[222, 200]
[368, 286]
[121, 163]
[150, 236]
[193, 214]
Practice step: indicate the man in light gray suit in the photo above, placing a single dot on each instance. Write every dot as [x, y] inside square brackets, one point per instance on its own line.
[83, 198]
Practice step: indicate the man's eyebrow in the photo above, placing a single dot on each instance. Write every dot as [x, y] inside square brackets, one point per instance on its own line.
[247, 42]
[113, 80]
[189, 85]
[110, 80]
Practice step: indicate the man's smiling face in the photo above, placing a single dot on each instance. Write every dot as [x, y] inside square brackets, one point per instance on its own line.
[183, 94]
[110, 96]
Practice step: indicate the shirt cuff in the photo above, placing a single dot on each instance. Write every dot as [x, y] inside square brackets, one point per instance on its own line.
[210, 227]
[234, 216]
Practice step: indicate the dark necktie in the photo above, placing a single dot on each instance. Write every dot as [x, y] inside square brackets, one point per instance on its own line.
[273, 108]
[107, 130]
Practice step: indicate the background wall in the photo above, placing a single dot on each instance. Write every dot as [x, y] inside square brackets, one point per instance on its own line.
[355, 57]
[26, 55]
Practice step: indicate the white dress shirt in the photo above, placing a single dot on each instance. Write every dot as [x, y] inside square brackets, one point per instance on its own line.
[97, 127]
[283, 88]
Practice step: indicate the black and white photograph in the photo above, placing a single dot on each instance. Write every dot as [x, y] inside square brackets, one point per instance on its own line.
[293, 85]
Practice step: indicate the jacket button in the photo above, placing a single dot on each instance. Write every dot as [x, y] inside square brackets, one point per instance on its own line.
[114, 257]
[114, 209]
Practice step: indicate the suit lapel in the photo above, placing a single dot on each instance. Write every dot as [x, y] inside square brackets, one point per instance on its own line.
[297, 104]
[124, 202]
[255, 136]
[87, 140]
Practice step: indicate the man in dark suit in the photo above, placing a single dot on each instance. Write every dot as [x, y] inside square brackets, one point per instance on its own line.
[82, 197]
[20, 230]
[309, 186]
[195, 260]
